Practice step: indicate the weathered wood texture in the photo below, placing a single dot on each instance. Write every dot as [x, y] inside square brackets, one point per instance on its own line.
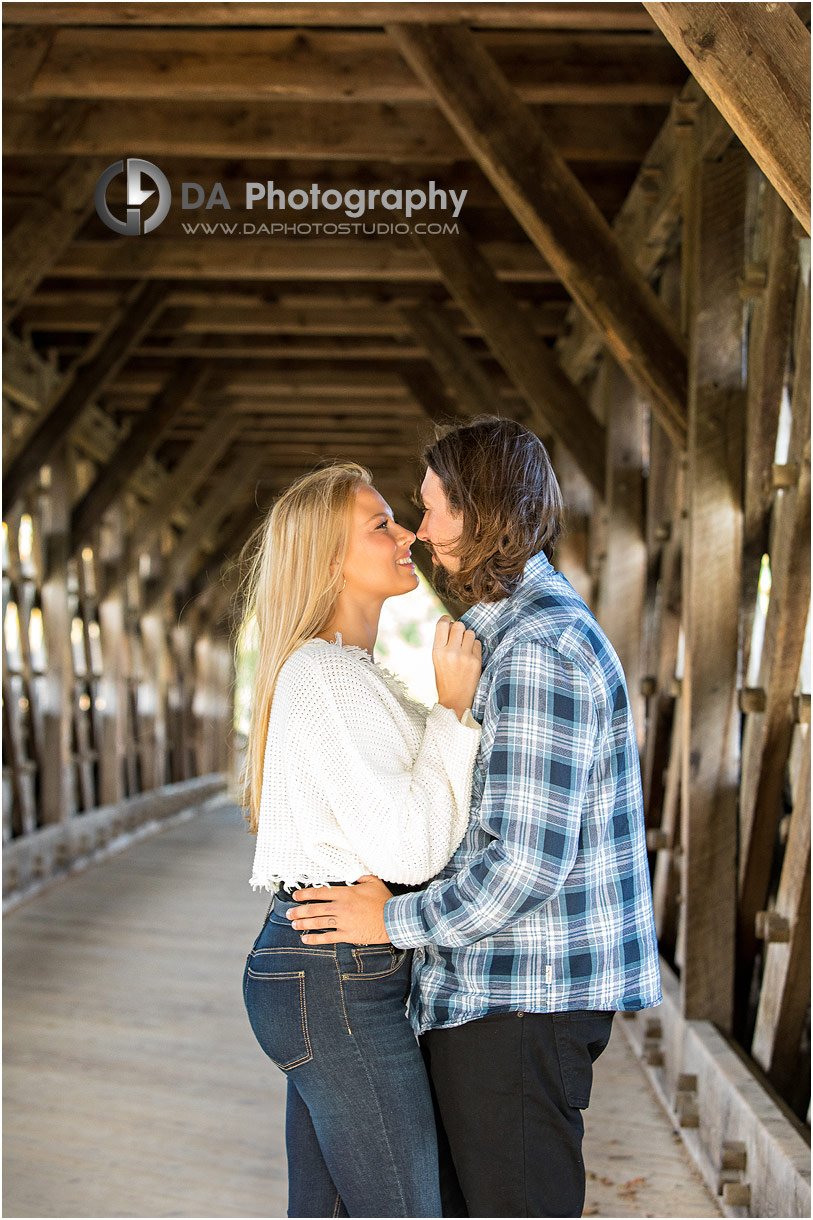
[611, 16]
[753, 60]
[623, 585]
[326, 65]
[714, 247]
[558, 216]
[767, 735]
[84, 383]
[553, 399]
[44, 231]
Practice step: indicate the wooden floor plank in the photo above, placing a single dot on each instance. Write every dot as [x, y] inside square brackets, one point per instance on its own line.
[133, 1085]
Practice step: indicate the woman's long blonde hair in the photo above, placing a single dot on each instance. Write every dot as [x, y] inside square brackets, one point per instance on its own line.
[291, 588]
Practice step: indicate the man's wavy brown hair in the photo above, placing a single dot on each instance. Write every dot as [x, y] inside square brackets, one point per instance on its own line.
[499, 477]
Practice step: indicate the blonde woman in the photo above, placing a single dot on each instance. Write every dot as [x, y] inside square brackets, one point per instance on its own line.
[346, 777]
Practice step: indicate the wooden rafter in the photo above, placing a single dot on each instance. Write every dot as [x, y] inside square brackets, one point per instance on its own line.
[314, 259]
[455, 363]
[651, 212]
[430, 394]
[575, 15]
[323, 65]
[185, 382]
[84, 383]
[753, 60]
[44, 231]
[202, 456]
[230, 487]
[518, 156]
[556, 404]
[294, 131]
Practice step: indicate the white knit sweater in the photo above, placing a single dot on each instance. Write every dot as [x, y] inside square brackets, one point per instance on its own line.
[358, 777]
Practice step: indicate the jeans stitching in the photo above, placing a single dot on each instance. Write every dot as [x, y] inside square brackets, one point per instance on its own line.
[337, 1206]
[341, 991]
[295, 949]
[381, 974]
[393, 1162]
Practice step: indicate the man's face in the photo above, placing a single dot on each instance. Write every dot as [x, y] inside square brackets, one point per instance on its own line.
[440, 528]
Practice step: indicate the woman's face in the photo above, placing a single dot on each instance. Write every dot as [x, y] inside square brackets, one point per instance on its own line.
[377, 564]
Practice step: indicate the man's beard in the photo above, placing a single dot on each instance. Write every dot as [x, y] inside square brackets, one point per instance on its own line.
[441, 576]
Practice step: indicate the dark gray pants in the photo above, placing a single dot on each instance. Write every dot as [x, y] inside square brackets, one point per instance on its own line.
[509, 1090]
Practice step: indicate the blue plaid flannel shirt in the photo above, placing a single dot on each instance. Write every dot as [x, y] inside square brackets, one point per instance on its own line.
[546, 905]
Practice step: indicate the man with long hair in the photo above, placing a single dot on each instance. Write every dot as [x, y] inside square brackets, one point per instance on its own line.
[541, 926]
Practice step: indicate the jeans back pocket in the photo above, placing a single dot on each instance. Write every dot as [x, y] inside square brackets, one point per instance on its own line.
[277, 1010]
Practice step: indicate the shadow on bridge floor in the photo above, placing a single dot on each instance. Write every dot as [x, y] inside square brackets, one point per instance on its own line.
[133, 1085]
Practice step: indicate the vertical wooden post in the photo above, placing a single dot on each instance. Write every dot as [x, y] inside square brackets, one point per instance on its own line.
[573, 547]
[111, 705]
[183, 733]
[770, 284]
[57, 795]
[621, 607]
[785, 993]
[154, 759]
[714, 249]
[203, 704]
[768, 733]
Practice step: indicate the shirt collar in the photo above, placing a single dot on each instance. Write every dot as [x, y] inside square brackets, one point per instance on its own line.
[487, 619]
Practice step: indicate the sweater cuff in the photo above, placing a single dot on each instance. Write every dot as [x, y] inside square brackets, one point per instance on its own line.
[447, 714]
[404, 921]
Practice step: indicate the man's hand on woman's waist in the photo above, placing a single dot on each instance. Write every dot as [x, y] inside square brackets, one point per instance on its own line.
[354, 915]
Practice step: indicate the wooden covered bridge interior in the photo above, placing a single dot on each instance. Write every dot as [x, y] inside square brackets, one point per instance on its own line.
[628, 275]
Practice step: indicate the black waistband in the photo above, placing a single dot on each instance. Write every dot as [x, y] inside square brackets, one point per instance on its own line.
[286, 895]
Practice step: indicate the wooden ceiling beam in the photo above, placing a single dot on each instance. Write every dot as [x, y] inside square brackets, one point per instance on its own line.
[202, 456]
[455, 363]
[44, 231]
[753, 60]
[83, 384]
[651, 212]
[561, 220]
[429, 392]
[262, 319]
[229, 488]
[229, 347]
[309, 258]
[229, 539]
[290, 294]
[322, 66]
[186, 382]
[25, 177]
[295, 130]
[556, 404]
[337, 390]
[331, 410]
[570, 15]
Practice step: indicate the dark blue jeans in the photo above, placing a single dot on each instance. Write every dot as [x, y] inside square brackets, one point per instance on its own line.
[360, 1129]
